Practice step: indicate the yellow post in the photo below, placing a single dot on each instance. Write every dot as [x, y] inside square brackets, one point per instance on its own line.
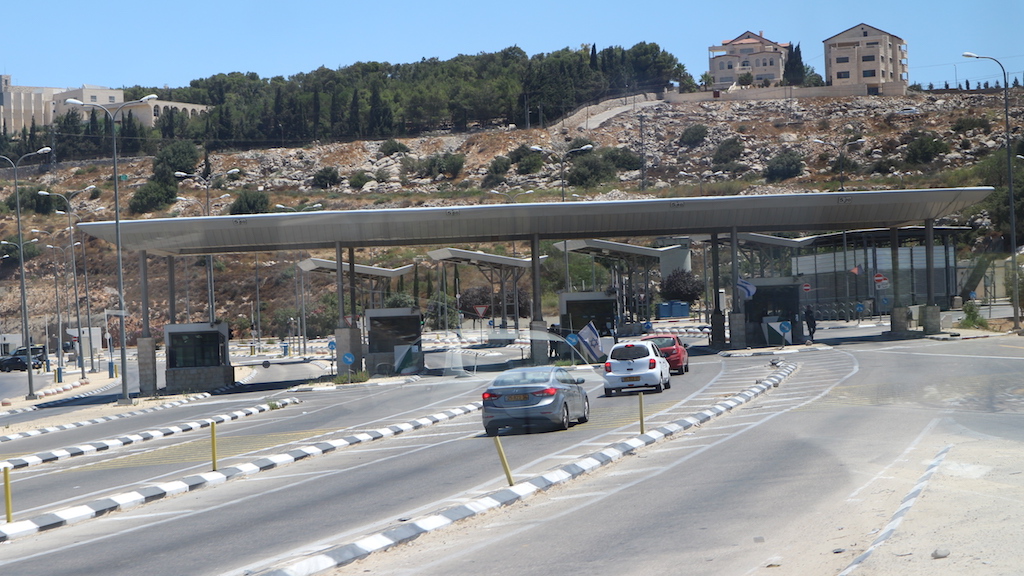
[504, 461]
[643, 428]
[213, 443]
[7, 494]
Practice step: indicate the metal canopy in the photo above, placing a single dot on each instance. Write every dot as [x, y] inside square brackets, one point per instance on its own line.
[607, 248]
[553, 220]
[322, 265]
[481, 260]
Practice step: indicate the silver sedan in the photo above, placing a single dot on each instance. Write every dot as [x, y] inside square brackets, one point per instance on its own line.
[539, 395]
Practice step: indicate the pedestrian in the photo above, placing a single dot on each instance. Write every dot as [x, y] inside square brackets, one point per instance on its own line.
[812, 324]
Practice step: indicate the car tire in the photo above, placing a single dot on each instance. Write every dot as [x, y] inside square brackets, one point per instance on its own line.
[563, 424]
[586, 412]
[609, 392]
[659, 388]
[6, 368]
[491, 430]
[686, 367]
[668, 383]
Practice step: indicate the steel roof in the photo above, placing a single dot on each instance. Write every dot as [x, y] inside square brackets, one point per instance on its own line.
[811, 212]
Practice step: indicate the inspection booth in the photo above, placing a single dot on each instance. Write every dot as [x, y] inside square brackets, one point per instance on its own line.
[197, 357]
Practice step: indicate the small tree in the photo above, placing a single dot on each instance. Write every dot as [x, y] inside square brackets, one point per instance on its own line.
[326, 177]
[693, 135]
[250, 202]
[787, 164]
[682, 285]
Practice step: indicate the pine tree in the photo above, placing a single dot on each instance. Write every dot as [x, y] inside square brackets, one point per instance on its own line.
[793, 71]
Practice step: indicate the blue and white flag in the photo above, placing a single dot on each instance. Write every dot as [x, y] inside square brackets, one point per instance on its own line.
[747, 288]
[591, 341]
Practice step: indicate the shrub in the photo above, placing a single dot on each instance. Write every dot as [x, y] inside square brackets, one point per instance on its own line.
[966, 123]
[496, 171]
[250, 202]
[622, 158]
[326, 177]
[590, 170]
[925, 148]
[787, 164]
[972, 316]
[358, 179]
[389, 147]
[693, 135]
[531, 163]
[682, 285]
[151, 196]
[728, 151]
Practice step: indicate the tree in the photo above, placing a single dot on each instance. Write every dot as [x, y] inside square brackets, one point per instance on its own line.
[745, 79]
[326, 177]
[682, 285]
[793, 71]
[250, 202]
[706, 79]
[787, 164]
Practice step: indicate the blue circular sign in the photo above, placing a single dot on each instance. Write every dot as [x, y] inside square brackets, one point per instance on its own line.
[785, 327]
[332, 345]
[348, 358]
[860, 307]
[572, 339]
[885, 300]
[648, 325]
[973, 295]
[490, 323]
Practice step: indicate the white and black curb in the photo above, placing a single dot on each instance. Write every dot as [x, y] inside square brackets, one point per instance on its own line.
[102, 445]
[348, 553]
[127, 500]
[901, 512]
[58, 402]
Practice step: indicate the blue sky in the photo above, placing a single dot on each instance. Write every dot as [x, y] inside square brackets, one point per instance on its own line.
[118, 43]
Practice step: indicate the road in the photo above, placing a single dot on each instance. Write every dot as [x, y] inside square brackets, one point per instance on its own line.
[836, 445]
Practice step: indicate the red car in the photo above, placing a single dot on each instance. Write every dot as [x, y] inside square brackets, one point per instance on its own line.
[674, 350]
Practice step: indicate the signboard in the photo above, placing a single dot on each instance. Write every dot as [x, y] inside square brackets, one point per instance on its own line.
[806, 287]
[883, 285]
[481, 310]
[332, 345]
[348, 358]
[879, 278]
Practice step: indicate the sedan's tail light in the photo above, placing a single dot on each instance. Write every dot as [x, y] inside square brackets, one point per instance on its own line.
[491, 396]
[546, 392]
[652, 363]
[607, 366]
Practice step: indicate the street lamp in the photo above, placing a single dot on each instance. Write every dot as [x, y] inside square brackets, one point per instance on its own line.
[1009, 184]
[111, 116]
[56, 297]
[74, 273]
[88, 299]
[561, 176]
[309, 208]
[842, 161]
[207, 181]
[26, 339]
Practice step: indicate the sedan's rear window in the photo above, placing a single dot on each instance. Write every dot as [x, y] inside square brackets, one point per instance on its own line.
[661, 342]
[629, 353]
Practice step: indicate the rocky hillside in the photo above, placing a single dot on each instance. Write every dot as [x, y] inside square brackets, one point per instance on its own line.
[888, 126]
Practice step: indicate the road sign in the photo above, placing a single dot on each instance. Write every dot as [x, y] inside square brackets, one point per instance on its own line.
[785, 327]
[883, 285]
[348, 358]
[860, 307]
[481, 310]
[332, 345]
[806, 287]
[572, 339]
[879, 278]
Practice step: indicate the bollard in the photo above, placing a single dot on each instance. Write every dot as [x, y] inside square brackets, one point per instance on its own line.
[643, 427]
[7, 494]
[213, 443]
[504, 461]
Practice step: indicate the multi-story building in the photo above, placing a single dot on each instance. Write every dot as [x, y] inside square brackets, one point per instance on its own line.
[21, 106]
[747, 53]
[866, 55]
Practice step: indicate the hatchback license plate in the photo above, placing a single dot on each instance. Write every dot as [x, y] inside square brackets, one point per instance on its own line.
[630, 378]
[516, 397]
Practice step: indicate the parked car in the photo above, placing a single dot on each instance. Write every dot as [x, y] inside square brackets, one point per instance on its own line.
[540, 395]
[634, 365]
[8, 363]
[674, 351]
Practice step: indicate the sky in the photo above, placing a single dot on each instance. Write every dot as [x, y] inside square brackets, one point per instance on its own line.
[152, 44]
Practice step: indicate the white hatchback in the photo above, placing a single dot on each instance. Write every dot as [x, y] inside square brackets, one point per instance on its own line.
[636, 364]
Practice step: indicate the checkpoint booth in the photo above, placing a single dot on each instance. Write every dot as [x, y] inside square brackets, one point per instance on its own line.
[394, 341]
[197, 357]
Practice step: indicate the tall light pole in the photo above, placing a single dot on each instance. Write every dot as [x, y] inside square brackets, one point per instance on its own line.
[111, 116]
[561, 178]
[25, 336]
[1009, 184]
[842, 162]
[74, 275]
[207, 181]
[300, 282]
[56, 300]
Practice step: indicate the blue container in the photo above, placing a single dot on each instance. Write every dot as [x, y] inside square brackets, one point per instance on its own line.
[680, 309]
[664, 309]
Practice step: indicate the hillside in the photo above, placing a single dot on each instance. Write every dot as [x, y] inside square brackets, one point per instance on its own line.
[890, 128]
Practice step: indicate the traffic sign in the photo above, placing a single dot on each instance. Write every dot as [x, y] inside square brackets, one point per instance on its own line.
[481, 310]
[572, 339]
[332, 345]
[348, 358]
[884, 284]
[806, 287]
[785, 327]
[879, 278]
[860, 307]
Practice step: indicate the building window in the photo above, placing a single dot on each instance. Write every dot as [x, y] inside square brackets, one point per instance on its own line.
[721, 65]
[869, 74]
[156, 111]
[842, 74]
[745, 64]
[871, 44]
[110, 99]
[92, 98]
[725, 79]
[729, 65]
[746, 50]
[867, 58]
[771, 62]
[842, 59]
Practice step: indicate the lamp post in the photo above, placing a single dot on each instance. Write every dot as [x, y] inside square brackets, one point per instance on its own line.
[561, 177]
[842, 162]
[512, 197]
[1009, 184]
[207, 181]
[56, 295]
[26, 338]
[300, 282]
[111, 116]
[309, 208]
[74, 276]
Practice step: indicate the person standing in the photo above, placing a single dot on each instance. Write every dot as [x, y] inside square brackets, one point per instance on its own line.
[812, 324]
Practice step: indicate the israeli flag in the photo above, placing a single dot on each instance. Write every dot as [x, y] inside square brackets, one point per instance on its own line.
[591, 341]
[746, 288]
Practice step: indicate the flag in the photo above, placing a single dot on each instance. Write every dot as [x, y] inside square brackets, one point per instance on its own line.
[856, 269]
[747, 288]
[591, 341]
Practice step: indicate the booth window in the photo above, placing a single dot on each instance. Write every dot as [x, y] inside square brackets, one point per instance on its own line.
[194, 350]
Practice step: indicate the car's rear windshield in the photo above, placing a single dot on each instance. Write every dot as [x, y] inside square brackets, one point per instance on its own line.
[661, 342]
[629, 352]
[521, 378]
